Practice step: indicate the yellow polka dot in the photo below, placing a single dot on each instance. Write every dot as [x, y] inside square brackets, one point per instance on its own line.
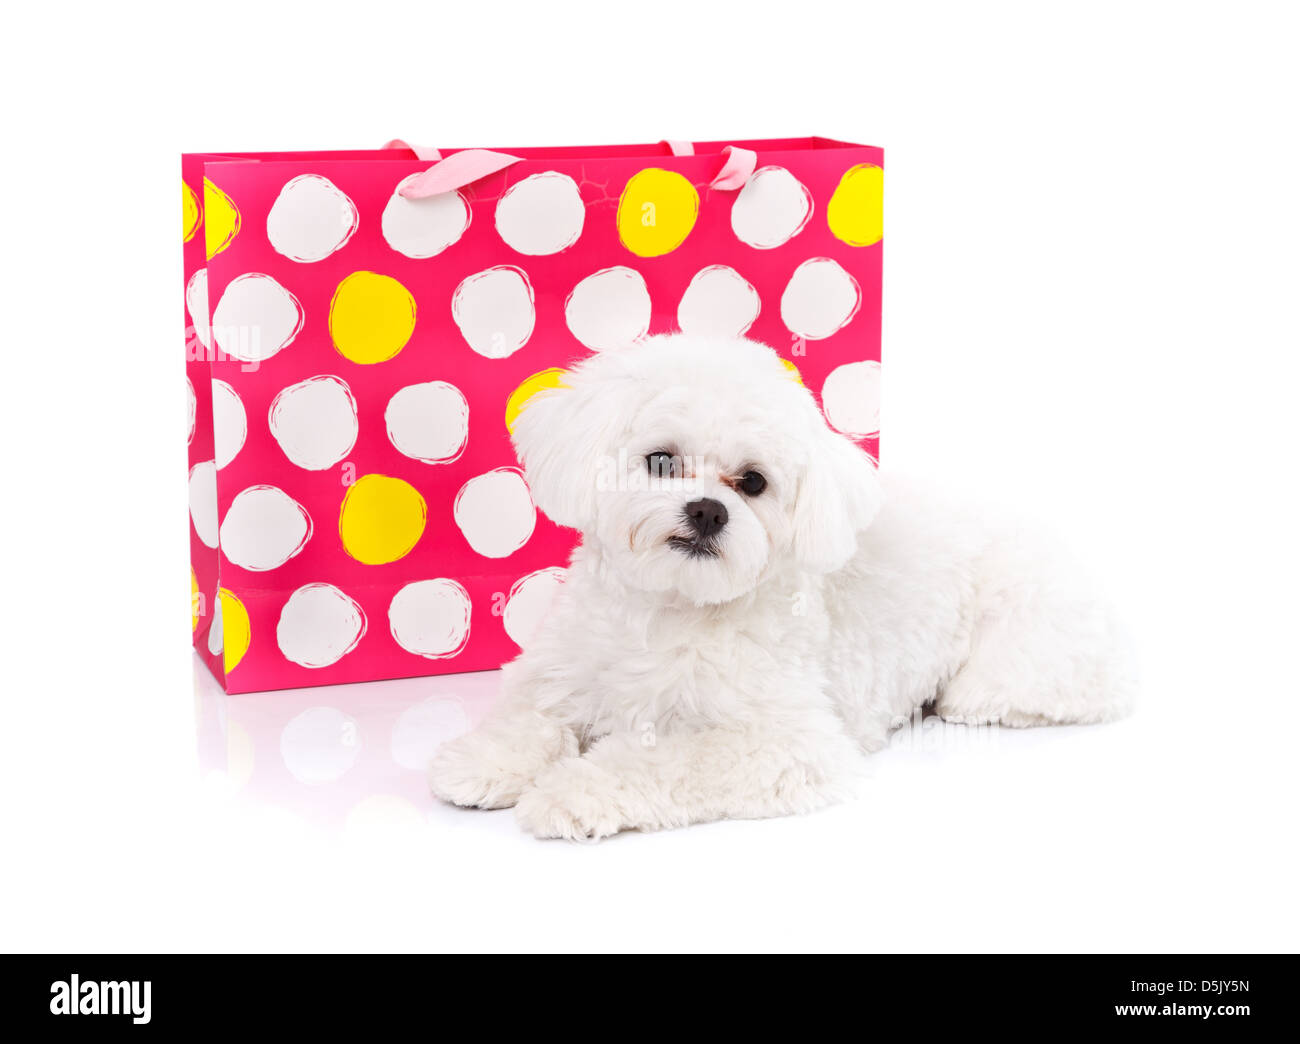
[196, 601]
[795, 375]
[190, 212]
[235, 629]
[856, 210]
[371, 317]
[552, 378]
[656, 212]
[222, 224]
[381, 519]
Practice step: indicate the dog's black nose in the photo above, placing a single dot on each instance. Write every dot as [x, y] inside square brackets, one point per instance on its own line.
[707, 516]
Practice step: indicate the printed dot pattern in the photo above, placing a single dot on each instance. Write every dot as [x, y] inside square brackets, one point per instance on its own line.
[355, 361]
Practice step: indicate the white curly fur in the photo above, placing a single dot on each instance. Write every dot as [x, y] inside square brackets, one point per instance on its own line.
[667, 688]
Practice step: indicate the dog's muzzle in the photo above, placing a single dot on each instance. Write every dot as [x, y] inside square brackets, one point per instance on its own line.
[705, 518]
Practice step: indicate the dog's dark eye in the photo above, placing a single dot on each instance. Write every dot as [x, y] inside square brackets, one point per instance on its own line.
[661, 464]
[752, 483]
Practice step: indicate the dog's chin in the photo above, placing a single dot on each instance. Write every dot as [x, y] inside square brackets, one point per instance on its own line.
[695, 547]
[691, 570]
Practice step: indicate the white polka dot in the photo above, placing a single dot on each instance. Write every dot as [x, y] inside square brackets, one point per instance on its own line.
[496, 512]
[319, 625]
[255, 318]
[543, 214]
[315, 422]
[771, 209]
[203, 501]
[310, 219]
[229, 422]
[320, 745]
[431, 618]
[851, 398]
[420, 730]
[819, 299]
[196, 300]
[429, 422]
[530, 599]
[609, 309]
[720, 302]
[494, 310]
[216, 632]
[192, 404]
[264, 528]
[426, 227]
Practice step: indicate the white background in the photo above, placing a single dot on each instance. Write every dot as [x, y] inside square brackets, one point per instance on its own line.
[1091, 311]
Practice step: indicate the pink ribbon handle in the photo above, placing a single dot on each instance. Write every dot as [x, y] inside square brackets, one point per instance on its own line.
[470, 165]
[422, 152]
[737, 167]
[456, 171]
[737, 164]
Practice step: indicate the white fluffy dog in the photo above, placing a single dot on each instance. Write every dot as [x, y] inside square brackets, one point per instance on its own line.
[751, 607]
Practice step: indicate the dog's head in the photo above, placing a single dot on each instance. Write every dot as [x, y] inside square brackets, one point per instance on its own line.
[696, 466]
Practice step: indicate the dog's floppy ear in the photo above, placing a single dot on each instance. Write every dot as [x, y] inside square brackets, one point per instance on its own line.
[838, 496]
[560, 436]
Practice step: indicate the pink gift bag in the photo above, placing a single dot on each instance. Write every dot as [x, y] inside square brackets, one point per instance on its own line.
[362, 329]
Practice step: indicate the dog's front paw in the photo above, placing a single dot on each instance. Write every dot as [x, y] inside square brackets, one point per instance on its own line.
[467, 771]
[490, 767]
[572, 799]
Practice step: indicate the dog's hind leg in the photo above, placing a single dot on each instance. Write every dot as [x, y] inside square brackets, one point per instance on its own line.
[1044, 651]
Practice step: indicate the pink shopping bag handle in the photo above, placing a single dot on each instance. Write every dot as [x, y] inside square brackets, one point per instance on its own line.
[737, 166]
[456, 171]
[422, 152]
[470, 165]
